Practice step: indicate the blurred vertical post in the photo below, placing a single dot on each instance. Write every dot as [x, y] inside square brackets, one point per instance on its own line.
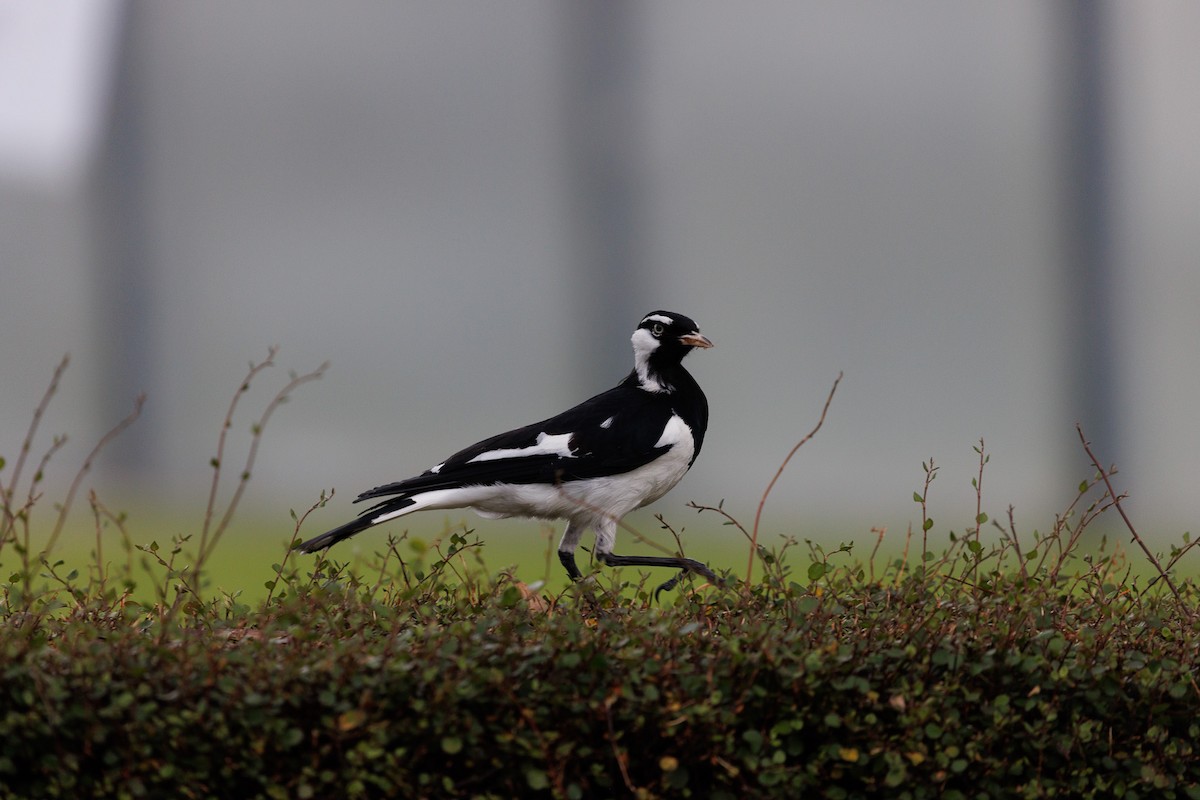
[123, 269]
[1090, 304]
[605, 183]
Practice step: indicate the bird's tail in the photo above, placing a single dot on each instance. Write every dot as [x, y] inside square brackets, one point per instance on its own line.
[334, 536]
[372, 516]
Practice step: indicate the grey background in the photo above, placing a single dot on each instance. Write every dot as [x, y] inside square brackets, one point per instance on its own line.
[467, 207]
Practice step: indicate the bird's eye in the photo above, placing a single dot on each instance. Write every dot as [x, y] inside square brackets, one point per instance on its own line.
[657, 329]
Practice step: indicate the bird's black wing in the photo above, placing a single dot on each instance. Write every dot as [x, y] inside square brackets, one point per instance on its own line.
[612, 433]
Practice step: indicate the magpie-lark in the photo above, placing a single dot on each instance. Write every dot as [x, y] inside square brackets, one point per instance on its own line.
[590, 465]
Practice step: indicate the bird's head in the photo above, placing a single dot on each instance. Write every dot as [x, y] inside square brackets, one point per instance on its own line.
[660, 342]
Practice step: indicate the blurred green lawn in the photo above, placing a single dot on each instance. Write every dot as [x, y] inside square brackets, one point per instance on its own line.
[244, 557]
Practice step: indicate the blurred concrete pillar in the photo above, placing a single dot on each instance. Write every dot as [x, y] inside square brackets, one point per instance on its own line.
[124, 274]
[603, 148]
[1087, 224]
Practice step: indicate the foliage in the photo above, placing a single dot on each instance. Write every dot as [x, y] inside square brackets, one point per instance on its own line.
[993, 667]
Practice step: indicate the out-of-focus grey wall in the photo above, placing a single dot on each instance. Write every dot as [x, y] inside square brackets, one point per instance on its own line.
[466, 208]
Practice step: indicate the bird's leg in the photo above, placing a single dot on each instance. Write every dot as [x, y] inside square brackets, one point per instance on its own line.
[566, 548]
[568, 561]
[684, 565]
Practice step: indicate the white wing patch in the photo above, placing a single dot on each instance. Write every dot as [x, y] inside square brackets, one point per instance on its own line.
[607, 423]
[557, 445]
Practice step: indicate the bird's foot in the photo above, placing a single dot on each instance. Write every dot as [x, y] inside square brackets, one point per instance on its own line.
[684, 565]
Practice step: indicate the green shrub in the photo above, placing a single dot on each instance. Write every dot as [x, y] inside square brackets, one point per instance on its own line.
[908, 687]
[991, 668]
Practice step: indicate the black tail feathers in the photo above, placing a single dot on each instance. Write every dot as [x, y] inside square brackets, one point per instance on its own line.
[364, 521]
[334, 536]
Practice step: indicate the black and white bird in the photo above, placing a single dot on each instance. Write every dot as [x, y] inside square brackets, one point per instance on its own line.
[590, 465]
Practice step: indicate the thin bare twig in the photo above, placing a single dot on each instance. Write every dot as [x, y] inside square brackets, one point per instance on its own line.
[320, 503]
[7, 494]
[908, 535]
[1116, 501]
[101, 515]
[1062, 524]
[1012, 533]
[931, 471]
[116, 431]
[778, 472]
[720, 509]
[228, 423]
[676, 535]
[879, 532]
[34, 495]
[618, 756]
[210, 536]
[980, 517]
[280, 398]
[1174, 559]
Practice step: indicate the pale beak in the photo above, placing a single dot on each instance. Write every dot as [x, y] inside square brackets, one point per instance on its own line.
[695, 339]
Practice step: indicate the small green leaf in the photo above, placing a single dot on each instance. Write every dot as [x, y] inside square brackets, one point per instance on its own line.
[817, 570]
[917, 497]
[452, 745]
[928, 523]
[982, 518]
[510, 597]
[536, 779]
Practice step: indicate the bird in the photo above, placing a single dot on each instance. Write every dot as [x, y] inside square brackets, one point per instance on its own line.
[589, 465]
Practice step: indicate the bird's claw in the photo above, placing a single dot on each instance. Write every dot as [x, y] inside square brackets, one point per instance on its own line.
[699, 569]
[669, 585]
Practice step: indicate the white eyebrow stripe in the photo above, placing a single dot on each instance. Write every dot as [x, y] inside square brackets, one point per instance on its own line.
[557, 445]
[658, 318]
